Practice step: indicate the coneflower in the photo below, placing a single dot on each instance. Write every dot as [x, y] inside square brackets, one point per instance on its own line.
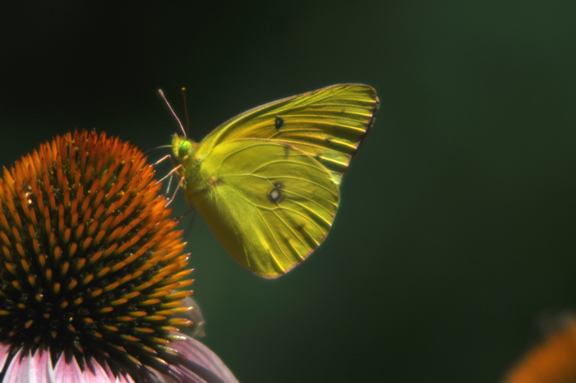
[91, 271]
[554, 359]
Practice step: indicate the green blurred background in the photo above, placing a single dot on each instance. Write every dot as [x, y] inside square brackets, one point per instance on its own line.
[456, 228]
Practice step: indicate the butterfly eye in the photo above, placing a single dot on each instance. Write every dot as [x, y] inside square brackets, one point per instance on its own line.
[184, 149]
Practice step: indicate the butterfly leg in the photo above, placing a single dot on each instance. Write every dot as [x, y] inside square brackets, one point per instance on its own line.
[175, 191]
[169, 174]
[162, 159]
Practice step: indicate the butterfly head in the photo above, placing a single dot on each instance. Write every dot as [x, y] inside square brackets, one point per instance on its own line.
[183, 148]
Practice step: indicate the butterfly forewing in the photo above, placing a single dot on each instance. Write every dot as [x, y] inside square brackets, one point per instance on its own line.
[269, 203]
[328, 124]
[267, 181]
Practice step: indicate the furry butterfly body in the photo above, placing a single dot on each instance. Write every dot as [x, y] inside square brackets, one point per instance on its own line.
[267, 181]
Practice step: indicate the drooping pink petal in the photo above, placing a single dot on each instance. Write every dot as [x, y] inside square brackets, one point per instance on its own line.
[96, 373]
[4, 351]
[36, 368]
[120, 378]
[198, 355]
[153, 376]
[68, 371]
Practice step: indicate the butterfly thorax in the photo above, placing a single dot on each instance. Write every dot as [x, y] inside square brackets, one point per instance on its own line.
[185, 151]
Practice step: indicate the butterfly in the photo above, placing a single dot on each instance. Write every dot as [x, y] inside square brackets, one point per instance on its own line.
[267, 181]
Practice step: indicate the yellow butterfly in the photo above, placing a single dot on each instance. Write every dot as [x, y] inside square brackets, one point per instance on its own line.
[267, 181]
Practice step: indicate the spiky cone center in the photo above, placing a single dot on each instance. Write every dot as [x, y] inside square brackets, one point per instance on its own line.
[90, 265]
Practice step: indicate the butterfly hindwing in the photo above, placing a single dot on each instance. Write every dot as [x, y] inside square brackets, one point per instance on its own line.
[267, 181]
[328, 124]
[268, 202]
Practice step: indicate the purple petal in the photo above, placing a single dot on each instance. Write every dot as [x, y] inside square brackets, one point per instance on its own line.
[201, 362]
[30, 368]
[4, 352]
[97, 374]
[70, 372]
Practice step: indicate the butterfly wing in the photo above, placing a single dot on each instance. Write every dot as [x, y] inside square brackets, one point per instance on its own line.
[269, 203]
[328, 124]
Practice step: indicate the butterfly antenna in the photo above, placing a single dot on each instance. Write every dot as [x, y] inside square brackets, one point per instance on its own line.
[186, 111]
[172, 110]
[158, 147]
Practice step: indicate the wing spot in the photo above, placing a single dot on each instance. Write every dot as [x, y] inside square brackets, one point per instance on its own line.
[328, 140]
[286, 151]
[276, 195]
[278, 123]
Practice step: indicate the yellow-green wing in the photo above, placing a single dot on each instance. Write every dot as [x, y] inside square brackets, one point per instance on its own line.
[269, 203]
[329, 124]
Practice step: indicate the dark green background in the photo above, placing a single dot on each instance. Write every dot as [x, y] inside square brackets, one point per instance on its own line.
[456, 228]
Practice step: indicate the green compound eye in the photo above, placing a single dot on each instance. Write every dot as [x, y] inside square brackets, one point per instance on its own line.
[184, 149]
